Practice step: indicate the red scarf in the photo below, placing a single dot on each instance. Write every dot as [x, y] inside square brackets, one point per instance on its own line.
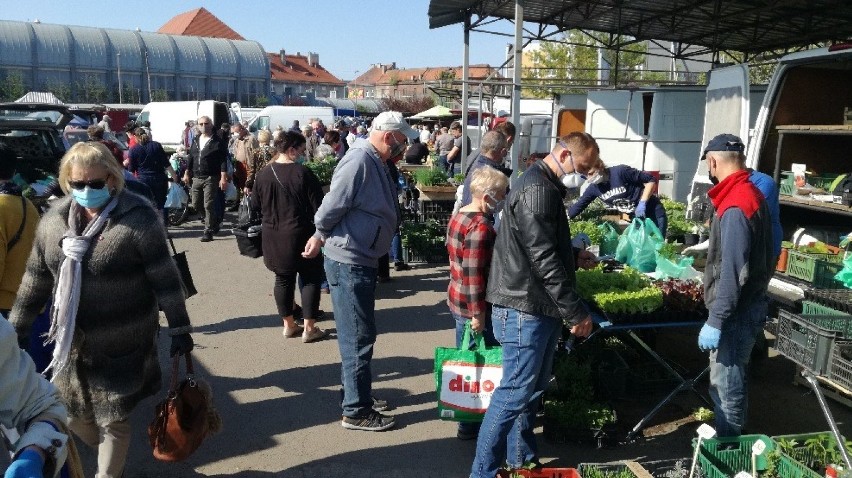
[736, 191]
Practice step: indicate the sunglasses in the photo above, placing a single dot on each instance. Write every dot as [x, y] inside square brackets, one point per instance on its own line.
[93, 184]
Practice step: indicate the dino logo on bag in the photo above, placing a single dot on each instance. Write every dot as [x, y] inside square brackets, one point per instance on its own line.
[467, 386]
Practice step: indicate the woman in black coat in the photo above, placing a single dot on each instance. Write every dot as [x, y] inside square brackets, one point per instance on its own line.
[287, 195]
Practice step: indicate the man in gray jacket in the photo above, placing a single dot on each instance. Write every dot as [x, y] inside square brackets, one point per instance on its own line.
[356, 222]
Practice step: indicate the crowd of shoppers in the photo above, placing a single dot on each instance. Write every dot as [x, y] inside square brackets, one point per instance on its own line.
[515, 283]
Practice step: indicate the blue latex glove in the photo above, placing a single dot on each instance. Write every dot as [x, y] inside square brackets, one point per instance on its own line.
[640, 209]
[708, 338]
[29, 464]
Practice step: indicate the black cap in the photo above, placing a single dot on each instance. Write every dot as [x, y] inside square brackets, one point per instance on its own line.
[725, 142]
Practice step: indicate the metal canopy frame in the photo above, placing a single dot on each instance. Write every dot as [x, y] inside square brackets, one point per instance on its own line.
[749, 27]
[697, 27]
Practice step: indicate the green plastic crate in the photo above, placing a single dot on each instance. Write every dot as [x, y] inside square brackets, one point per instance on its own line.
[725, 457]
[606, 470]
[818, 269]
[812, 308]
[840, 367]
[822, 181]
[795, 463]
[808, 339]
[785, 186]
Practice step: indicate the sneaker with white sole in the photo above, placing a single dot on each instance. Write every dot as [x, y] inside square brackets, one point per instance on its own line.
[294, 332]
[374, 422]
[314, 335]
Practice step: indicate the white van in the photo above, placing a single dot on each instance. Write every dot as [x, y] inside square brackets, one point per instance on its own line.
[272, 117]
[168, 118]
[802, 119]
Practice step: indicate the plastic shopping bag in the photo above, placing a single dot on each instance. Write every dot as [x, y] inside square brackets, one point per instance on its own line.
[466, 379]
[845, 274]
[176, 197]
[668, 269]
[638, 245]
[245, 214]
[609, 240]
[231, 192]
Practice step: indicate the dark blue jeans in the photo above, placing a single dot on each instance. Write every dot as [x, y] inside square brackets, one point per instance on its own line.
[353, 295]
[729, 369]
[490, 341]
[506, 434]
[396, 249]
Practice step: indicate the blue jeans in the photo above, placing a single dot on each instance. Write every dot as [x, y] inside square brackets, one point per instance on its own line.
[490, 341]
[353, 295]
[506, 435]
[395, 252]
[729, 370]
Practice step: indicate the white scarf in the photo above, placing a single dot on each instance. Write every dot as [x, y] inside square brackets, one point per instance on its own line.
[66, 298]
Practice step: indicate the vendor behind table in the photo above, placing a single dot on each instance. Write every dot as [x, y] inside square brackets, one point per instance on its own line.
[624, 188]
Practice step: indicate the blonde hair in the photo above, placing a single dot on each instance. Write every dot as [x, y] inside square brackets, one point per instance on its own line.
[89, 154]
[263, 136]
[489, 181]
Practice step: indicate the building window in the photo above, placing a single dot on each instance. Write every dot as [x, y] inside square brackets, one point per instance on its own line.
[192, 88]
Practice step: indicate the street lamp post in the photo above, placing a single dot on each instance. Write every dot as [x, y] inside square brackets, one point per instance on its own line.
[118, 63]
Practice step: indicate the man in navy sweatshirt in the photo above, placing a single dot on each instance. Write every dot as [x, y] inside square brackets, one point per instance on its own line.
[740, 261]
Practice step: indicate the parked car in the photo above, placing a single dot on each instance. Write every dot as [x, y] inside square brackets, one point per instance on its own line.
[34, 132]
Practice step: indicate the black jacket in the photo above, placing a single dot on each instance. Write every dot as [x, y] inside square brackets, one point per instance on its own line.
[210, 161]
[532, 269]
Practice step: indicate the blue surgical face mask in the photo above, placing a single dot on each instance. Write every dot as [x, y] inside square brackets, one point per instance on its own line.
[91, 198]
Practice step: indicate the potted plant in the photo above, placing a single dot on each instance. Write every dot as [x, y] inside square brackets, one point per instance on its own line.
[433, 185]
[323, 170]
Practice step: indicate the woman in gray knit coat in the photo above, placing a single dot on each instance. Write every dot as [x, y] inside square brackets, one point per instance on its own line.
[100, 253]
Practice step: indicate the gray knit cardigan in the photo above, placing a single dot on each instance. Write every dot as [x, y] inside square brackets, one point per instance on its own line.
[127, 272]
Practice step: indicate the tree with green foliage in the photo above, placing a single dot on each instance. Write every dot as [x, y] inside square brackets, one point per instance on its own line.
[59, 89]
[574, 61]
[13, 86]
[261, 101]
[160, 95]
[91, 90]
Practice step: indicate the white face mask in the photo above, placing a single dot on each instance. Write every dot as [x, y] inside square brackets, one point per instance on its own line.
[597, 178]
[493, 208]
[569, 180]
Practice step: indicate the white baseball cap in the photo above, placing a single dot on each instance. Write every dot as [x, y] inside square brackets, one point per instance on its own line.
[393, 121]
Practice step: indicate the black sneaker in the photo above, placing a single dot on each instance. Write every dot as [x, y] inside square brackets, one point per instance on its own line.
[206, 237]
[401, 266]
[466, 435]
[374, 422]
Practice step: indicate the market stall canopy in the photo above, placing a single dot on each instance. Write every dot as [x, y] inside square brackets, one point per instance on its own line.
[435, 112]
[747, 26]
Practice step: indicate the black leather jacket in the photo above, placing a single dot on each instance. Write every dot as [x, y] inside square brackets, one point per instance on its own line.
[210, 161]
[532, 268]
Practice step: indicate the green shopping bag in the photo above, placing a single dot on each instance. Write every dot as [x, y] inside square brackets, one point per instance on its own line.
[609, 239]
[638, 245]
[466, 379]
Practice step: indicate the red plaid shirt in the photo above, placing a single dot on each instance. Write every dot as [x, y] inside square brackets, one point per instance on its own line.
[470, 242]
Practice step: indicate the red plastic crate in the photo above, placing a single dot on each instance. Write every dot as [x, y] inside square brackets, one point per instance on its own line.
[542, 473]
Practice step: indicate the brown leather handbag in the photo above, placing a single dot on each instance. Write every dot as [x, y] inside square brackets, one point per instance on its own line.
[185, 418]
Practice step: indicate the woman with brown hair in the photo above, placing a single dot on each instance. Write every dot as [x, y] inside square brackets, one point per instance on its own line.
[288, 195]
[149, 163]
[261, 156]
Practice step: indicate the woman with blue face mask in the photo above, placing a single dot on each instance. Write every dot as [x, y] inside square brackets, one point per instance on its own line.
[101, 256]
[621, 187]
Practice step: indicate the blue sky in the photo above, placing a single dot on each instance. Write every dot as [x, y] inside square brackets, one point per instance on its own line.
[349, 36]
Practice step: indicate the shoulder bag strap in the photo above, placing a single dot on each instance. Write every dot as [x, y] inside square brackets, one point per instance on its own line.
[287, 191]
[17, 236]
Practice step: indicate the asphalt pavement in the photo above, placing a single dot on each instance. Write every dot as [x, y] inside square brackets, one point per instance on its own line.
[279, 398]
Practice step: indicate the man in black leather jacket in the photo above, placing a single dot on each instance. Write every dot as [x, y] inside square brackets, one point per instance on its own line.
[532, 290]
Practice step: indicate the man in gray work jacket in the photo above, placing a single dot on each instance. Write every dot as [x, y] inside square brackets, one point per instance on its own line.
[356, 222]
[740, 261]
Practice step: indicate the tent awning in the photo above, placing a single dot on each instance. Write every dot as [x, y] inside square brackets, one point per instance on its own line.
[747, 26]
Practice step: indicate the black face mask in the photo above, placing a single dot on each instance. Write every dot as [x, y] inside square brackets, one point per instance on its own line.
[714, 180]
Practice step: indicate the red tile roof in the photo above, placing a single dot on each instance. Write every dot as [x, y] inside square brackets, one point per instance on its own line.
[298, 70]
[199, 22]
[375, 76]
